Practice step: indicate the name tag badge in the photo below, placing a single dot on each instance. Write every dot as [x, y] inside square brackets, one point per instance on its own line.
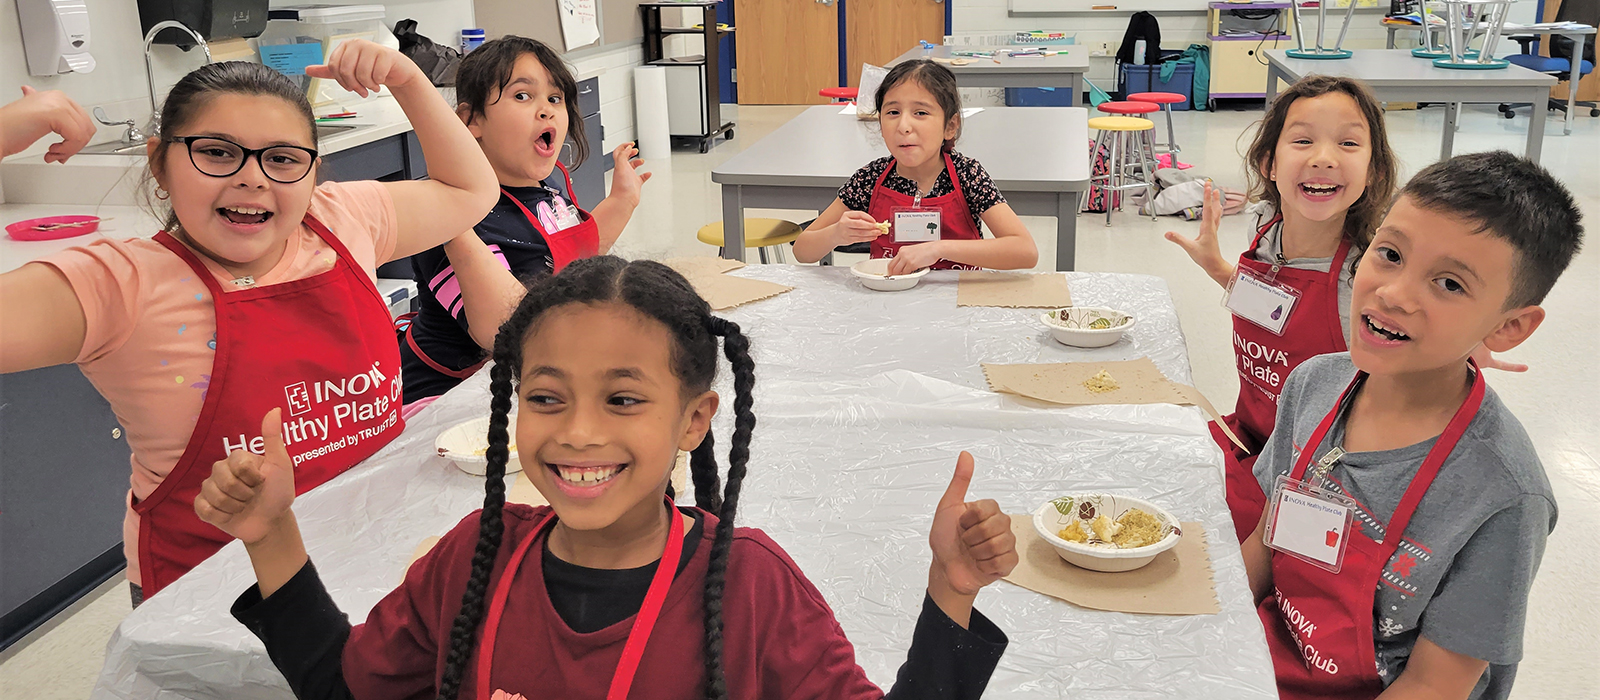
[1309, 523]
[916, 225]
[1260, 302]
[567, 217]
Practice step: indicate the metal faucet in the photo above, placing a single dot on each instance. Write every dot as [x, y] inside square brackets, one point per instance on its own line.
[153, 128]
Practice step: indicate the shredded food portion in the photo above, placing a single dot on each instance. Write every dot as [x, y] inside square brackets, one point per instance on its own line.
[1137, 528]
[1101, 383]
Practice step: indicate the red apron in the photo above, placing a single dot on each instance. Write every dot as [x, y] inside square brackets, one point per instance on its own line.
[638, 635]
[322, 348]
[1264, 361]
[1319, 624]
[566, 245]
[955, 217]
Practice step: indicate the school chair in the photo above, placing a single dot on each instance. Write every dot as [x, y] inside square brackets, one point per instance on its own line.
[1133, 156]
[762, 234]
[1166, 100]
[840, 94]
[1559, 62]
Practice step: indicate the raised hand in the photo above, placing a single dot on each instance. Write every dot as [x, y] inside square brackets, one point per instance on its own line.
[247, 495]
[40, 113]
[1203, 249]
[972, 545]
[626, 180]
[855, 227]
[362, 67]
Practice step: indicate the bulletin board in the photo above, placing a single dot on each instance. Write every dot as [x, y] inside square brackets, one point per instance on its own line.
[539, 19]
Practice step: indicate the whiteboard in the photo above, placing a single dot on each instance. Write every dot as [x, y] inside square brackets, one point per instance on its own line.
[1123, 7]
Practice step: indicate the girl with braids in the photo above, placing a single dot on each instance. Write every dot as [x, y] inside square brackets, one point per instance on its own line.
[260, 287]
[611, 591]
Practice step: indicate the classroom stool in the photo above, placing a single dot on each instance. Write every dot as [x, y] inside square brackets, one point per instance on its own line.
[758, 233]
[1166, 100]
[1128, 108]
[1132, 151]
[839, 94]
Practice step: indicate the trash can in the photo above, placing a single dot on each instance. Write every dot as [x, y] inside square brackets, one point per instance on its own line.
[1136, 78]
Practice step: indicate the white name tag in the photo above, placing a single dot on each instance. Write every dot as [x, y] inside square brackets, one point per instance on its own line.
[916, 226]
[567, 217]
[1309, 523]
[1260, 302]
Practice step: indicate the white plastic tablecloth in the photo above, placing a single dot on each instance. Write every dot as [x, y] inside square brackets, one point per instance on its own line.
[863, 400]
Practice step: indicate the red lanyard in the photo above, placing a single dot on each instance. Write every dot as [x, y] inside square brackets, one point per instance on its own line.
[632, 651]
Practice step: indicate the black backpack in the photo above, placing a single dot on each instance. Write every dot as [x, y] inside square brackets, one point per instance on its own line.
[1142, 25]
[437, 61]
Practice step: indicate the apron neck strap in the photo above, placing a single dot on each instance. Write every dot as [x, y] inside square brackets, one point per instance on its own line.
[1261, 231]
[632, 652]
[187, 255]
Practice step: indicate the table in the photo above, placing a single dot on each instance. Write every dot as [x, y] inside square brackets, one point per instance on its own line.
[1037, 156]
[863, 400]
[1575, 34]
[1064, 70]
[1395, 76]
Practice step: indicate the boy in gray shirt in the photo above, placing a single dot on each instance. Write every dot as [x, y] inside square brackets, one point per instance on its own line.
[1405, 430]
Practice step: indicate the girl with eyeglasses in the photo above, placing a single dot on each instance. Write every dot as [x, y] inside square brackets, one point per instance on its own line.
[259, 293]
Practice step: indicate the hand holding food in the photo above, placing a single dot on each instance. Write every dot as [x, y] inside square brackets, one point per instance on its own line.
[248, 494]
[856, 227]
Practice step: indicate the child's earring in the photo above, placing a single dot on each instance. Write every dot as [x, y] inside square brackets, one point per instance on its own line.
[162, 194]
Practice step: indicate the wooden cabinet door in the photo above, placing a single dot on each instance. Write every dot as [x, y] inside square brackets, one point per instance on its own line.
[787, 50]
[880, 30]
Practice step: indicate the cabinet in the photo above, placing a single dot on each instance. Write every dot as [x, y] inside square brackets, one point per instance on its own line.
[589, 178]
[1239, 35]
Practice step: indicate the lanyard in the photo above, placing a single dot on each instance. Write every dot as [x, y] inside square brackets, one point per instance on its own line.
[638, 636]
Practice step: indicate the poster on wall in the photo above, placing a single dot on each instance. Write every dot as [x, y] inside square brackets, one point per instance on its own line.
[580, 25]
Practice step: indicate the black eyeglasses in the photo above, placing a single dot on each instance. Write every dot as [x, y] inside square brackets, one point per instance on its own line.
[220, 157]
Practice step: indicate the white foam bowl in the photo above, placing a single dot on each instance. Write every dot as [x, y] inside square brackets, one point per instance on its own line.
[874, 274]
[1047, 521]
[464, 444]
[1063, 325]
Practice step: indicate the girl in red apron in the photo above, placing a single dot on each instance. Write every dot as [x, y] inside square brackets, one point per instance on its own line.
[718, 612]
[258, 295]
[1321, 161]
[519, 100]
[925, 203]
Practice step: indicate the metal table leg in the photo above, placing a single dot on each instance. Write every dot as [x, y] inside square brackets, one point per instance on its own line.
[733, 222]
[1573, 76]
[1067, 230]
[1538, 97]
[1452, 114]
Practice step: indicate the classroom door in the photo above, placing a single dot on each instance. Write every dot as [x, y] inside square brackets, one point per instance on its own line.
[788, 50]
[881, 30]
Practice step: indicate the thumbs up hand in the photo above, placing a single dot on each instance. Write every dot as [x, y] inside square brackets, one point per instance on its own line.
[972, 546]
[247, 495]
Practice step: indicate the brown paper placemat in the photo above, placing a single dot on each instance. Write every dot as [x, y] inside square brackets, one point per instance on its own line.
[1139, 382]
[1013, 290]
[720, 290]
[1178, 582]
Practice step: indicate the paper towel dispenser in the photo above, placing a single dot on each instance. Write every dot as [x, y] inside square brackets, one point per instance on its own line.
[213, 19]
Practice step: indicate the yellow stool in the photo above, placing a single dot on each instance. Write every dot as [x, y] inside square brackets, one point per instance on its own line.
[758, 233]
[1133, 157]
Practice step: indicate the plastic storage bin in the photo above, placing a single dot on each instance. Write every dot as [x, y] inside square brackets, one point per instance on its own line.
[1137, 78]
[1039, 97]
[327, 25]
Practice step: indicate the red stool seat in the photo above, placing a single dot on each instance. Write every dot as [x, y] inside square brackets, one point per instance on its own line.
[839, 93]
[1128, 107]
[1160, 98]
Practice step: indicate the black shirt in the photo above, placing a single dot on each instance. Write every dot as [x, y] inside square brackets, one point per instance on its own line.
[304, 631]
[440, 327]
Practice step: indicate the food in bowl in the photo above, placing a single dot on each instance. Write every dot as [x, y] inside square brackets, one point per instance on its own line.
[1087, 326]
[1134, 528]
[1105, 532]
[874, 275]
[1101, 383]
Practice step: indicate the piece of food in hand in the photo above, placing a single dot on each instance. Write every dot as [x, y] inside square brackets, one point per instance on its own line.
[1074, 533]
[1137, 528]
[883, 228]
[1101, 383]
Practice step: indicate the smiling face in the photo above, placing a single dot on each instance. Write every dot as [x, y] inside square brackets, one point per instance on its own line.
[1320, 165]
[242, 220]
[913, 126]
[523, 125]
[602, 417]
[1430, 288]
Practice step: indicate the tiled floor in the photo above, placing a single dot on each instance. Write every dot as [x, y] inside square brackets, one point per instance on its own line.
[1558, 400]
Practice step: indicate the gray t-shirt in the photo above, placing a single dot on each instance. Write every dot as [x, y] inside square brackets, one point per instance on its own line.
[1272, 244]
[1467, 559]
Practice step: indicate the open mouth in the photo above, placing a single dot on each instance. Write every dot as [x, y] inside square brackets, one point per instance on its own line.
[545, 143]
[1381, 331]
[584, 480]
[244, 216]
[1320, 190]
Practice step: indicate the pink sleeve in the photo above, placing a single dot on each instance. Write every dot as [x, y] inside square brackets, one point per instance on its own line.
[109, 285]
[362, 215]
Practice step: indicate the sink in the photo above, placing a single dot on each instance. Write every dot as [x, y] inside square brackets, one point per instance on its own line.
[114, 148]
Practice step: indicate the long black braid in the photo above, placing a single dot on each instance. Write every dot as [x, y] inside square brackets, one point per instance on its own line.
[659, 292]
